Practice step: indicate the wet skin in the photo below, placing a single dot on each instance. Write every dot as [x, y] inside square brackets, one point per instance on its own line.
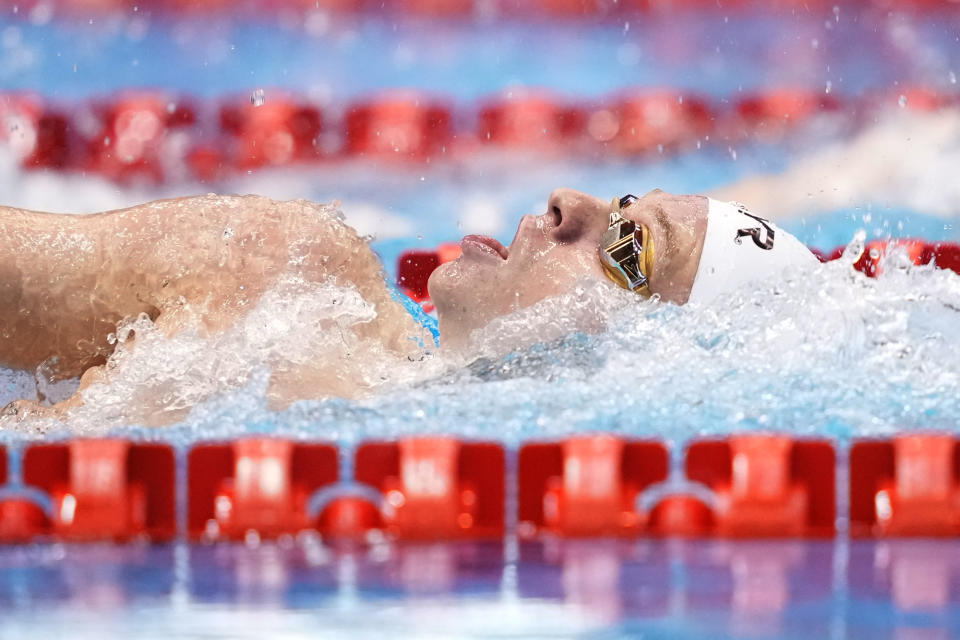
[552, 252]
[201, 263]
[191, 263]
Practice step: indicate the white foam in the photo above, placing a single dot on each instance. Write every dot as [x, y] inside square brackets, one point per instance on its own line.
[824, 350]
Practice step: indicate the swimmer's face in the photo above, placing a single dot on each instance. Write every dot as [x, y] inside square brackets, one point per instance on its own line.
[552, 252]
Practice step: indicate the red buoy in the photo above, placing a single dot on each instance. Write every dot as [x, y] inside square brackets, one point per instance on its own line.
[136, 137]
[771, 115]
[280, 131]
[906, 486]
[399, 126]
[651, 122]
[256, 485]
[436, 487]
[767, 485]
[529, 121]
[587, 485]
[105, 489]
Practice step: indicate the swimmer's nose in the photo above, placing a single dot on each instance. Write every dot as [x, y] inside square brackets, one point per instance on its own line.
[567, 208]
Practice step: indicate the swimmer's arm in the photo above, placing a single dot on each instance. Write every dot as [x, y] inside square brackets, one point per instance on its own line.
[169, 324]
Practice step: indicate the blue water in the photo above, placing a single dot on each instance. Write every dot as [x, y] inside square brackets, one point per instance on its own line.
[716, 52]
[870, 356]
[572, 589]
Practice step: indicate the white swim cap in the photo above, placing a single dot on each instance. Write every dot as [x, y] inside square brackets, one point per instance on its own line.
[740, 247]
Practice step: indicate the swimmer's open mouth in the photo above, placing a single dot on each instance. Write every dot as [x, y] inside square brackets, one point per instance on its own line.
[485, 244]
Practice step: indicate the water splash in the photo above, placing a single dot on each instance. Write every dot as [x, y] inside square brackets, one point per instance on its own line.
[822, 350]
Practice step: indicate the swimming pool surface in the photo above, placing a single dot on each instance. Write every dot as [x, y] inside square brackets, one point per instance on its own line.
[826, 353]
[549, 589]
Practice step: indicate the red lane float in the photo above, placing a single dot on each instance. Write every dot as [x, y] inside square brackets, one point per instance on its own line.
[767, 485]
[874, 252]
[550, 9]
[258, 486]
[136, 137]
[771, 115]
[437, 8]
[648, 122]
[869, 262]
[907, 486]
[436, 487]
[564, 9]
[37, 135]
[945, 255]
[757, 485]
[21, 519]
[98, 490]
[279, 132]
[586, 485]
[912, 98]
[529, 121]
[399, 126]
[150, 136]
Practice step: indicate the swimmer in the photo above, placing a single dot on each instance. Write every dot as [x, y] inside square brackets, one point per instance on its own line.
[202, 263]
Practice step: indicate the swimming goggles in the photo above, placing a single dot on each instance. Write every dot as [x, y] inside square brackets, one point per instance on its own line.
[626, 250]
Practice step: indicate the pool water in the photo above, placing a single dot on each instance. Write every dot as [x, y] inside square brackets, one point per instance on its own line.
[552, 588]
[823, 352]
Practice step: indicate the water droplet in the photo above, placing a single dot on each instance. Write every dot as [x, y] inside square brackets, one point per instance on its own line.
[953, 78]
[902, 101]
[258, 97]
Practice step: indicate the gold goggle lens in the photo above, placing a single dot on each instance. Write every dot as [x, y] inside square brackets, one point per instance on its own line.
[626, 250]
